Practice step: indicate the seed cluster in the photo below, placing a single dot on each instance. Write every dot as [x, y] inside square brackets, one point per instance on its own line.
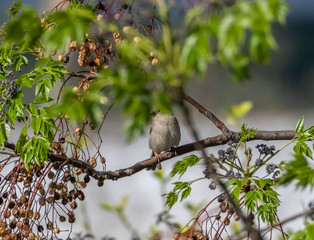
[35, 202]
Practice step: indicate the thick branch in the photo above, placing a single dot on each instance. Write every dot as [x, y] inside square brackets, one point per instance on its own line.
[183, 149]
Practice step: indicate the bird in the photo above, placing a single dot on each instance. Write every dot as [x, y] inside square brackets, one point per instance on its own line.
[164, 134]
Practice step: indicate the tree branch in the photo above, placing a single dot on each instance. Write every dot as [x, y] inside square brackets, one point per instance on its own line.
[219, 124]
[183, 149]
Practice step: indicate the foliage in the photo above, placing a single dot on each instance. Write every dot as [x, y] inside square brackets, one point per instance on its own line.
[139, 67]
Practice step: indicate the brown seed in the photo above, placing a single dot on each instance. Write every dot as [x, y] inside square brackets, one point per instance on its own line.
[236, 217]
[78, 171]
[72, 220]
[72, 46]
[73, 205]
[62, 218]
[81, 185]
[71, 214]
[36, 215]
[22, 212]
[30, 214]
[51, 175]
[102, 160]
[20, 224]
[23, 199]
[86, 179]
[15, 212]
[81, 196]
[59, 186]
[100, 183]
[31, 236]
[20, 178]
[61, 58]
[227, 221]
[56, 230]
[13, 236]
[218, 217]
[40, 228]
[11, 205]
[7, 214]
[78, 131]
[42, 192]
[42, 201]
[49, 225]
[51, 191]
[92, 162]
[50, 200]
[13, 223]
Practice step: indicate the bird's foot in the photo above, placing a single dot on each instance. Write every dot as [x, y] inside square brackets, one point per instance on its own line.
[158, 164]
[174, 151]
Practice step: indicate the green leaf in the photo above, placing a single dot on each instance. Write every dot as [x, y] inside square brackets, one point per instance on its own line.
[185, 193]
[300, 125]
[300, 171]
[181, 166]
[172, 198]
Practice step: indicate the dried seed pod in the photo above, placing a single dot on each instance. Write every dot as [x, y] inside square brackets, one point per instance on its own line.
[81, 185]
[23, 199]
[61, 57]
[81, 196]
[227, 221]
[31, 236]
[50, 200]
[20, 178]
[42, 201]
[100, 183]
[73, 205]
[51, 175]
[62, 218]
[78, 171]
[11, 204]
[224, 207]
[102, 160]
[42, 192]
[15, 212]
[71, 214]
[36, 215]
[7, 214]
[72, 46]
[72, 220]
[236, 217]
[51, 191]
[78, 131]
[64, 201]
[22, 212]
[57, 196]
[92, 162]
[49, 225]
[40, 228]
[86, 179]
[20, 224]
[59, 186]
[30, 214]
[13, 223]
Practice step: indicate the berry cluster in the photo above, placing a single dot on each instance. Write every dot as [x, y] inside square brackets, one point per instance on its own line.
[8, 90]
[264, 149]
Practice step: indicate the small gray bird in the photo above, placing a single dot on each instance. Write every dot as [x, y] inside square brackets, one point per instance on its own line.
[164, 134]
